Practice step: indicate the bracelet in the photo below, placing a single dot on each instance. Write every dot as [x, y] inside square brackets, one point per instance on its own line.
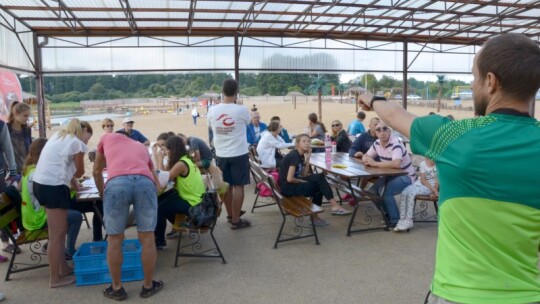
[375, 98]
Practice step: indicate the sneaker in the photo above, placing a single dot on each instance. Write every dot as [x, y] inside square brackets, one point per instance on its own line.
[404, 225]
[161, 246]
[157, 286]
[320, 222]
[173, 234]
[117, 295]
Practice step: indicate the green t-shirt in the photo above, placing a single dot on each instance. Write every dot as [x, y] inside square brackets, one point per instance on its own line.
[32, 219]
[190, 188]
[489, 215]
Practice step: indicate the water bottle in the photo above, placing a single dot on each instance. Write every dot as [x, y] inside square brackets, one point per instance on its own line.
[327, 150]
[334, 147]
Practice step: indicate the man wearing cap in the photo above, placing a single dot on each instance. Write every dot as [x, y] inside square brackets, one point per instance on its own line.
[132, 133]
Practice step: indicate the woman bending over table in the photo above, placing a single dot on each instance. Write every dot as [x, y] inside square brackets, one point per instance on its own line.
[62, 159]
[295, 180]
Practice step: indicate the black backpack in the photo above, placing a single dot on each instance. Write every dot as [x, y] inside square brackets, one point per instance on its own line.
[205, 213]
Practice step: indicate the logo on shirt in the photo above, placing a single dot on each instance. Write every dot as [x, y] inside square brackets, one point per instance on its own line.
[226, 120]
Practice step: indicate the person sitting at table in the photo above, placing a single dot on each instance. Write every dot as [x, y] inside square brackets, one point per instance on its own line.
[189, 187]
[356, 126]
[33, 214]
[316, 128]
[392, 154]
[363, 142]
[61, 159]
[255, 128]
[339, 135]
[268, 146]
[283, 133]
[295, 180]
[428, 184]
[132, 133]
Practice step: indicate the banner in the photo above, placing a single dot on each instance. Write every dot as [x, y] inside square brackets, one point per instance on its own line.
[10, 90]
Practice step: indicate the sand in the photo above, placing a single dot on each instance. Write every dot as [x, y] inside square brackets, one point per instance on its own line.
[294, 120]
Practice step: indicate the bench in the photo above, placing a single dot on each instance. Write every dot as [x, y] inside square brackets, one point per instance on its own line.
[195, 248]
[259, 179]
[298, 207]
[32, 238]
[423, 214]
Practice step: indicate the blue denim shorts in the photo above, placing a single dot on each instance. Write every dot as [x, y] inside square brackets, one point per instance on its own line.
[122, 191]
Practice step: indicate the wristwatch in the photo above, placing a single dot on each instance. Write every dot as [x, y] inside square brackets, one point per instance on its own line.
[375, 98]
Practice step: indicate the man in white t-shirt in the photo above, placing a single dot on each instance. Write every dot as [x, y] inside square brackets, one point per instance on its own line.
[228, 122]
[194, 115]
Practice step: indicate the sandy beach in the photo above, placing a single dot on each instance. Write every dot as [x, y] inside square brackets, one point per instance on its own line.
[294, 120]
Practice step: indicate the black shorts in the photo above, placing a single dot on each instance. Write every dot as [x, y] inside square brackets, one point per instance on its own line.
[235, 169]
[52, 197]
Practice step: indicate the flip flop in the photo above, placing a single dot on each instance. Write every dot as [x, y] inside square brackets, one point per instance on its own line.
[229, 218]
[240, 225]
[148, 292]
[341, 212]
[11, 248]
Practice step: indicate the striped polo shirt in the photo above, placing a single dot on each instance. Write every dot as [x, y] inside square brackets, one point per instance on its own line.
[392, 151]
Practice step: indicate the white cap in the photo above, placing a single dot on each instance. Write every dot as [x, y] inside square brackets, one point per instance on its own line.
[127, 120]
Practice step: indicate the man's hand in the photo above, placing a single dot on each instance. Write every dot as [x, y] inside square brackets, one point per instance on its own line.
[358, 154]
[364, 101]
[368, 161]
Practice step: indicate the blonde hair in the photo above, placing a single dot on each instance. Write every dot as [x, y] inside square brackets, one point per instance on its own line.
[74, 128]
[17, 108]
[334, 123]
[106, 121]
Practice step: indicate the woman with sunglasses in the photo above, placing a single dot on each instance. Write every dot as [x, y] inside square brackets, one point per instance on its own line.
[108, 125]
[339, 135]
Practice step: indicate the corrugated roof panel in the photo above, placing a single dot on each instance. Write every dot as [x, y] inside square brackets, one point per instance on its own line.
[157, 24]
[215, 24]
[159, 4]
[22, 2]
[492, 10]
[171, 15]
[267, 17]
[32, 14]
[533, 12]
[287, 17]
[261, 25]
[279, 26]
[216, 16]
[467, 7]
[337, 10]
[238, 5]
[123, 24]
[86, 3]
[414, 3]
[233, 16]
[223, 5]
[99, 15]
[45, 24]
[325, 27]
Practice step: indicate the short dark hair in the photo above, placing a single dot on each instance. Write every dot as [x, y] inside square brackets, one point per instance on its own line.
[515, 61]
[361, 115]
[273, 126]
[164, 136]
[230, 87]
[275, 118]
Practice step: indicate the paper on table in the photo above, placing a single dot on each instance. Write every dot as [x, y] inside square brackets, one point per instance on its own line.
[89, 190]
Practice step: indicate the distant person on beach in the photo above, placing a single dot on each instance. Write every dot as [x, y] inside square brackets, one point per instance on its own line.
[255, 128]
[229, 124]
[195, 115]
[132, 133]
[131, 180]
[489, 208]
[61, 160]
[357, 126]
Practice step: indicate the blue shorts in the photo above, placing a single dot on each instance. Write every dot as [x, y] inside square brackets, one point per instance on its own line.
[122, 191]
[235, 169]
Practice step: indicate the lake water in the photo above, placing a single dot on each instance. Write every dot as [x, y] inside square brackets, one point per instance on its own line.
[60, 120]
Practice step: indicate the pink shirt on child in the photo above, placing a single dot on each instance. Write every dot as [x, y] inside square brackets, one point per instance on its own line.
[125, 156]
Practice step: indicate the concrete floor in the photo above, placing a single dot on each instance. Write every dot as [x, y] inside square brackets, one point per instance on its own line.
[369, 267]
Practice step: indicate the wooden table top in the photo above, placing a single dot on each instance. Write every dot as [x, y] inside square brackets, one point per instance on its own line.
[353, 166]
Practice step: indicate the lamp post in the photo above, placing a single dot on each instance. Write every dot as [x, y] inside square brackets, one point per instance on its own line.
[440, 80]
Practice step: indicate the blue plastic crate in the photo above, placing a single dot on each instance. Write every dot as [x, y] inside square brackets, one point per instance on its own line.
[93, 256]
[103, 276]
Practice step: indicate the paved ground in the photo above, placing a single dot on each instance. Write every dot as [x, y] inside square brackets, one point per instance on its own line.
[370, 267]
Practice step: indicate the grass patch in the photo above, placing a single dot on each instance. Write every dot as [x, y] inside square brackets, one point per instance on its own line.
[64, 105]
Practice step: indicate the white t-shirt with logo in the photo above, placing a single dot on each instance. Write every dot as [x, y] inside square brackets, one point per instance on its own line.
[229, 122]
[56, 164]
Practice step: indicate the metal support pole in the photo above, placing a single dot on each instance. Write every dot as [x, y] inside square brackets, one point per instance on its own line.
[236, 61]
[42, 118]
[405, 85]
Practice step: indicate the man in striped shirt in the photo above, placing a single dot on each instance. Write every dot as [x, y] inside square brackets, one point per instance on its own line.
[392, 154]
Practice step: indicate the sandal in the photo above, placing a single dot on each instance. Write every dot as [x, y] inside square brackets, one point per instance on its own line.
[229, 218]
[240, 225]
[11, 248]
[117, 295]
[148, 292]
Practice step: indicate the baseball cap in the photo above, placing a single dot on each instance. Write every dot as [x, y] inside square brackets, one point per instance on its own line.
[128, 120]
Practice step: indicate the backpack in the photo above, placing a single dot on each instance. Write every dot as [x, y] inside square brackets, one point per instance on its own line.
[263, 190]
[205, 213]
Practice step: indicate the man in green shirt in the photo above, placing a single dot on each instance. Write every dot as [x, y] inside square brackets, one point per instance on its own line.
[489, 215]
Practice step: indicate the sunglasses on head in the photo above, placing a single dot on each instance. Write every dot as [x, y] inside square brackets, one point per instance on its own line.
[338, 125]
[382, 129]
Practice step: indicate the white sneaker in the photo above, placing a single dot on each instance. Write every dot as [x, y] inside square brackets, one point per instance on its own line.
[404, 224]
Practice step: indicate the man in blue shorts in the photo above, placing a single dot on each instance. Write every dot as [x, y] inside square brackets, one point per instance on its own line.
[229, 124]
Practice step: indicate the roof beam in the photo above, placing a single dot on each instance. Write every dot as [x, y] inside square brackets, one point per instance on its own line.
[63, 9]
[249, 17]
[192, 7]
[129, 15]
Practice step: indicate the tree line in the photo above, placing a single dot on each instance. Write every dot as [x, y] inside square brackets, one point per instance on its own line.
[77, 88]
